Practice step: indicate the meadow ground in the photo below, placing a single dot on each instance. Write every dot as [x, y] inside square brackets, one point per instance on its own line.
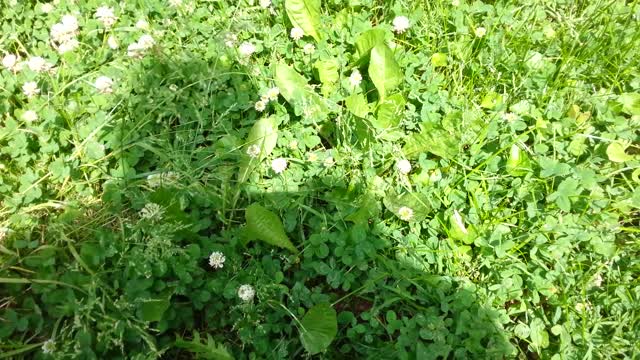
[327, 179]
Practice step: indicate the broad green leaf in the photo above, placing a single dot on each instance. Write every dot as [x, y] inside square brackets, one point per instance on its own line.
[538, 334]
[294, 88]
[318, 328]
[518, 163]
[491, 100]
[384, 71]
[264, 134]
[328, 74]
[432, 139]
[630, 103]
[461, 231]
[367, 208]
[439, 59]
[616, 152]
[357, 105]
[304, 14]
[266, 226]
[367, 41]
[417, 202]
[390, 112]
[153, 309]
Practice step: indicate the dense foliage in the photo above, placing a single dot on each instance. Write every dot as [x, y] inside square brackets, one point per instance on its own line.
[330, 179]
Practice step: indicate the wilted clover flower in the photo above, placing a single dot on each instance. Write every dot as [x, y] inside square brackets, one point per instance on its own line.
[49, 347]
[104, 85]
[309, 49]
[152, 211]
[105, 15]
[246, 292]
[253, 151]
[217, 259]
[405, 213]
[30, 89]
[480, 32]
[156, 180]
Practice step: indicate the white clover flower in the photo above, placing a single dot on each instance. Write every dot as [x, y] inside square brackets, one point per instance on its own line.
[458, 219]
[175, 3]
[597, 281]
[152, 211]
[104, 85]
[265, 3]
[46, 8]
[246, 292]
[296, 33]
[49, 347]
[146, 41]
[403, 166]
[30, 89]
[253, 151]
[309, 49]
[106, 16]
[230, 40]
[356, 78]
[37, 64]
[142, 24]
[293, 144]
[29, 116]
[279, 165]
[312, 157]
[264, 98]
[329, 162]
[135, 50]
[405, 213]
[480, 32]
[247, 49]
[70, 23]
[217, 259]
[401, 24]
[68, 45]
[63, 34]
[10, 61]
[112, 42]
[273, 93]
[260, 105]
[455, 3]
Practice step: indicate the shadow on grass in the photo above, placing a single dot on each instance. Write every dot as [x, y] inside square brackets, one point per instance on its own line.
[125, 276]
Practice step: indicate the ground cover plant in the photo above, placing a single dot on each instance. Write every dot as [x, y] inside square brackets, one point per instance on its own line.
[325, 179]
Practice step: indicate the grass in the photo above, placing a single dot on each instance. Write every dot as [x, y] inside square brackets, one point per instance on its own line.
[522, 235]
